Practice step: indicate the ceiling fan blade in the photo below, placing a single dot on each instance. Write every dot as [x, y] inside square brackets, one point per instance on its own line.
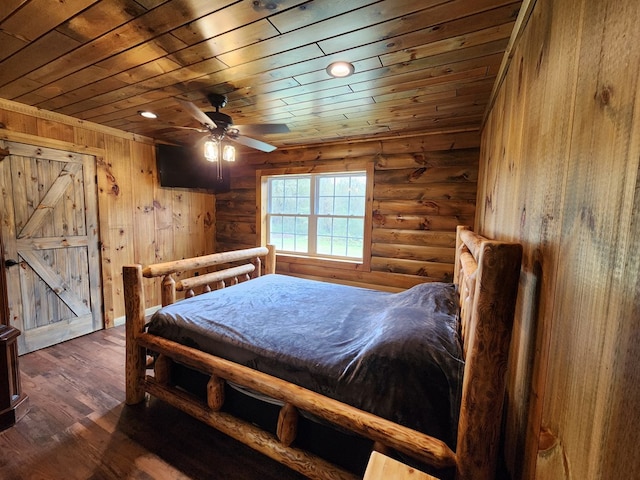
[253, 143]
[196, 113]
[262, 128]
[196, 129]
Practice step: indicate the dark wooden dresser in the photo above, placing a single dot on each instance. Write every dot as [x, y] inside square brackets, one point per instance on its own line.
[14, 403]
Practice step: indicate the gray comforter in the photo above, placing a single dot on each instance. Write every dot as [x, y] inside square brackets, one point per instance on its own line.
[396, 355]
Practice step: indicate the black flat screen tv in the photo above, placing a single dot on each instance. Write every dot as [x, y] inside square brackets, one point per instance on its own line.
[184, 167]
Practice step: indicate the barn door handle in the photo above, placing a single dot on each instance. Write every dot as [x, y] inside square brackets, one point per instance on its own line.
[10, 263]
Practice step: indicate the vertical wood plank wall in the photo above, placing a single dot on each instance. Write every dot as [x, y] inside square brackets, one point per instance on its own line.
[559, 172]
[139, 220]
[423, 187]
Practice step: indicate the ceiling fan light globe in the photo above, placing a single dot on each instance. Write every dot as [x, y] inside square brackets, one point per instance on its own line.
[229, 153]
[211, 150]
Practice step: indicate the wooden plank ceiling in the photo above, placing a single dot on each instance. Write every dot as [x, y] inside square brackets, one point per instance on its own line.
[420, 65]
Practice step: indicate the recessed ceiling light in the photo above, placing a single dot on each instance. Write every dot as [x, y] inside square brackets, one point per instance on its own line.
[340, 69]
[146, 114]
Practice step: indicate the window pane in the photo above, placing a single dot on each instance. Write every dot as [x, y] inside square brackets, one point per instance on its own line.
[289, 224]
[356, 206]
[342, 186]
[340, 227]
[277, 204]
[339, 246]
[324, 245]
[277, 187]
[290, 205]
[304, 187]
[355, 248]
[291, 187]
[304, 205]
[325, 226]
[359, 185]
[325, 186]
[356, 228]
[302, 243]
[288, 242]
[275, 224]
[325, 206]
[302, 225]
[341, 206]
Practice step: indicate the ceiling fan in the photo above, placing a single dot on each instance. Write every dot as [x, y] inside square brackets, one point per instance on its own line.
[220, 125]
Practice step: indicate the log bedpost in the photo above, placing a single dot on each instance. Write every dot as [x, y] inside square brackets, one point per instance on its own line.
[270, 260]
[459, 247]
[134, 312]
[257, 263]
[496, 287]
[168, 290]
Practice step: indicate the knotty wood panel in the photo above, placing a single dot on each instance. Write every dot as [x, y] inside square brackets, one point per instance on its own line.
[424, 187]
[560, 173]
[137, 217]
[419, 66]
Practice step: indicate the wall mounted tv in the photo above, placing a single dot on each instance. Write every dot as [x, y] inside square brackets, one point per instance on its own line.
[187, 168]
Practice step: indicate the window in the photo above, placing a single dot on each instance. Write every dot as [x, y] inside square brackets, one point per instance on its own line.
[320, 215]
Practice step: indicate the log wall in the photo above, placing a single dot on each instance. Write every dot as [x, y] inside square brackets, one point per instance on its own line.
[139, 221]
[559, 172]
[423, 187]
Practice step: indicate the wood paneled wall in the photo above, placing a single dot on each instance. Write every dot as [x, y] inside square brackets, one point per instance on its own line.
[423, 187]
[559, 172]
[139, 221]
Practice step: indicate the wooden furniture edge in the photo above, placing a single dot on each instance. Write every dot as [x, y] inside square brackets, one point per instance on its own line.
[382, 467]
[14, 403]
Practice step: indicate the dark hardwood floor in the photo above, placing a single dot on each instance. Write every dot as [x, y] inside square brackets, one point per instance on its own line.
[78, 426]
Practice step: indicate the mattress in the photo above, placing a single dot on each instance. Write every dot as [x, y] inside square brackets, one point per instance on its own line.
[397, 355]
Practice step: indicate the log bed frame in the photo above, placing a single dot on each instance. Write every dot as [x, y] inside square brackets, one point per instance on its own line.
[486, 273]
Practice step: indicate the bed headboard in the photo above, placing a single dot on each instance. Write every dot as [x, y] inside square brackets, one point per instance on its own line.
[248, 265]
[487, 274]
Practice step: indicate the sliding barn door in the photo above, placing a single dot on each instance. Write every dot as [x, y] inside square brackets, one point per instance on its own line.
[50, 236]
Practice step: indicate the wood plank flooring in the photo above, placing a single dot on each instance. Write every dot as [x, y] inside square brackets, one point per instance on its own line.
[78, 426]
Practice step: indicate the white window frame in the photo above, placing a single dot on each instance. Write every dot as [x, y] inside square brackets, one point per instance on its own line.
[362, 264]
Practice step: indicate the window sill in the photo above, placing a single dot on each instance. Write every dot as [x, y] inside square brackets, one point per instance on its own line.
[323, 262]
